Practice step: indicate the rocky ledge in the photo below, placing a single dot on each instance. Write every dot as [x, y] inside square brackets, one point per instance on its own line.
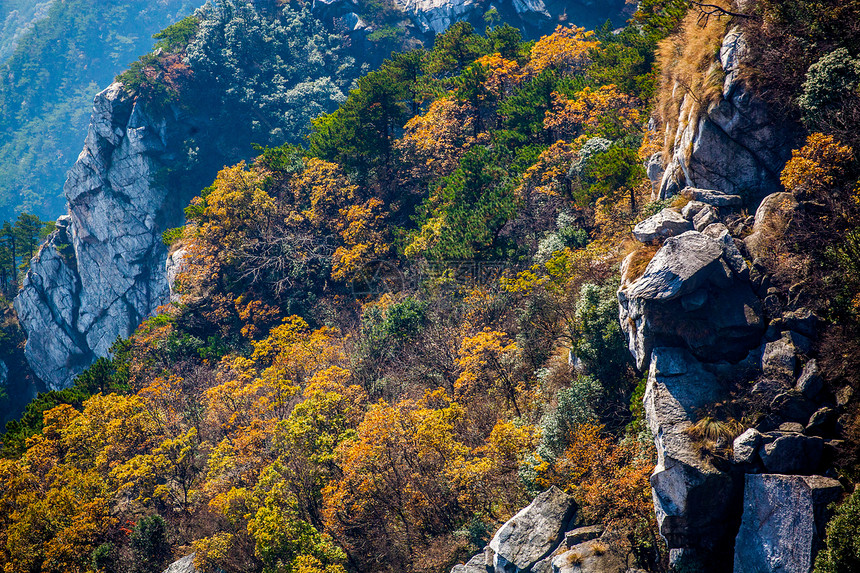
[734, 145]
[542, 538]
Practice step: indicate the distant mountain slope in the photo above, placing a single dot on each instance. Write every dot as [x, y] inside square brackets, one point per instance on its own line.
[47, 84]
[16, 18]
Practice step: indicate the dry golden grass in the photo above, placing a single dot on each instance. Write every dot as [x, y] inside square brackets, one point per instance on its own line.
[599, 547]
[715, 437]
[680, 201]
[689, 66]
[642, 255]
[574, 557]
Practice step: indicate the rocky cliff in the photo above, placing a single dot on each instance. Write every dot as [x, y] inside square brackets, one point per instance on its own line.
[430, 17]
[102, 271]
[710, 329]
[734, 145]
[703, 321]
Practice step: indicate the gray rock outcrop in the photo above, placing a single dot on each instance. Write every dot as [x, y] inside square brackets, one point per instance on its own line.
[693, 294]
[436, 15]
[666, 223]
[533, 533]
[783, 522]
[689, 492]
[538, 539]
[734, 145]
[713, 197]
[102, 271]
[172, 268]
[773, 212]
[184, 565]
[594, 556]
[792, 454]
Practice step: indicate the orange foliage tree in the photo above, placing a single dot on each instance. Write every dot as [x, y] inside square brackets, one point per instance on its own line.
[605, 112]
[565, 51]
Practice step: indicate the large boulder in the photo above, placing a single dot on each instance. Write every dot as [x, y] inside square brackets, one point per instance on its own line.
[533, 533]
[779, 359]
[713, 197]
[745, 447]
[693, 294]
[477, 564]
[594, 556]
[773, 213]
[792, 454]
[666, 223]
[692, 498]
[783, 522]
[681, 266]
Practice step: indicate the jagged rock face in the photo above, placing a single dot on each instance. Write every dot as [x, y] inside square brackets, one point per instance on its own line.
[538, 540]
[783, 522]
[537, 16]
[48, 307]
[689, 492]
[693, 294]
[102, 272]
[437, 15]
[735, 146]
[4, 373]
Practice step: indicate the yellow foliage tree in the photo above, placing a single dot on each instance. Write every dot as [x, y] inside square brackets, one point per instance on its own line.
[503, 75]
[605, 112]
[817, 167]
[486, 365]
[566, 51]
[433, 143]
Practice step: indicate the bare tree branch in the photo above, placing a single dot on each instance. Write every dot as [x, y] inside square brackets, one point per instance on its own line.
[708, 10]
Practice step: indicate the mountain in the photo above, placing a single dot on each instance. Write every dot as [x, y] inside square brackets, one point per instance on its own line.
[242, 79]
[587, 302]
[55, 56]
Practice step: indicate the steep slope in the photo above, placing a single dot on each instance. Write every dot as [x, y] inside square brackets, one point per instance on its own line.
[719, 134]
[729, 315]
[77, 47]
[89, 285]
[102, 272]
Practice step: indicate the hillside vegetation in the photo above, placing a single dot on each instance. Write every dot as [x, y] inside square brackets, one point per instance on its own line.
[389, 339]
[17, 17]
[301, 411]
[47, 84]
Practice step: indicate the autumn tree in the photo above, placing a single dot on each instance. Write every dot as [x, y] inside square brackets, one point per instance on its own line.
[486, 361]
[432, 143]
[604, 112]
[566, 51]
